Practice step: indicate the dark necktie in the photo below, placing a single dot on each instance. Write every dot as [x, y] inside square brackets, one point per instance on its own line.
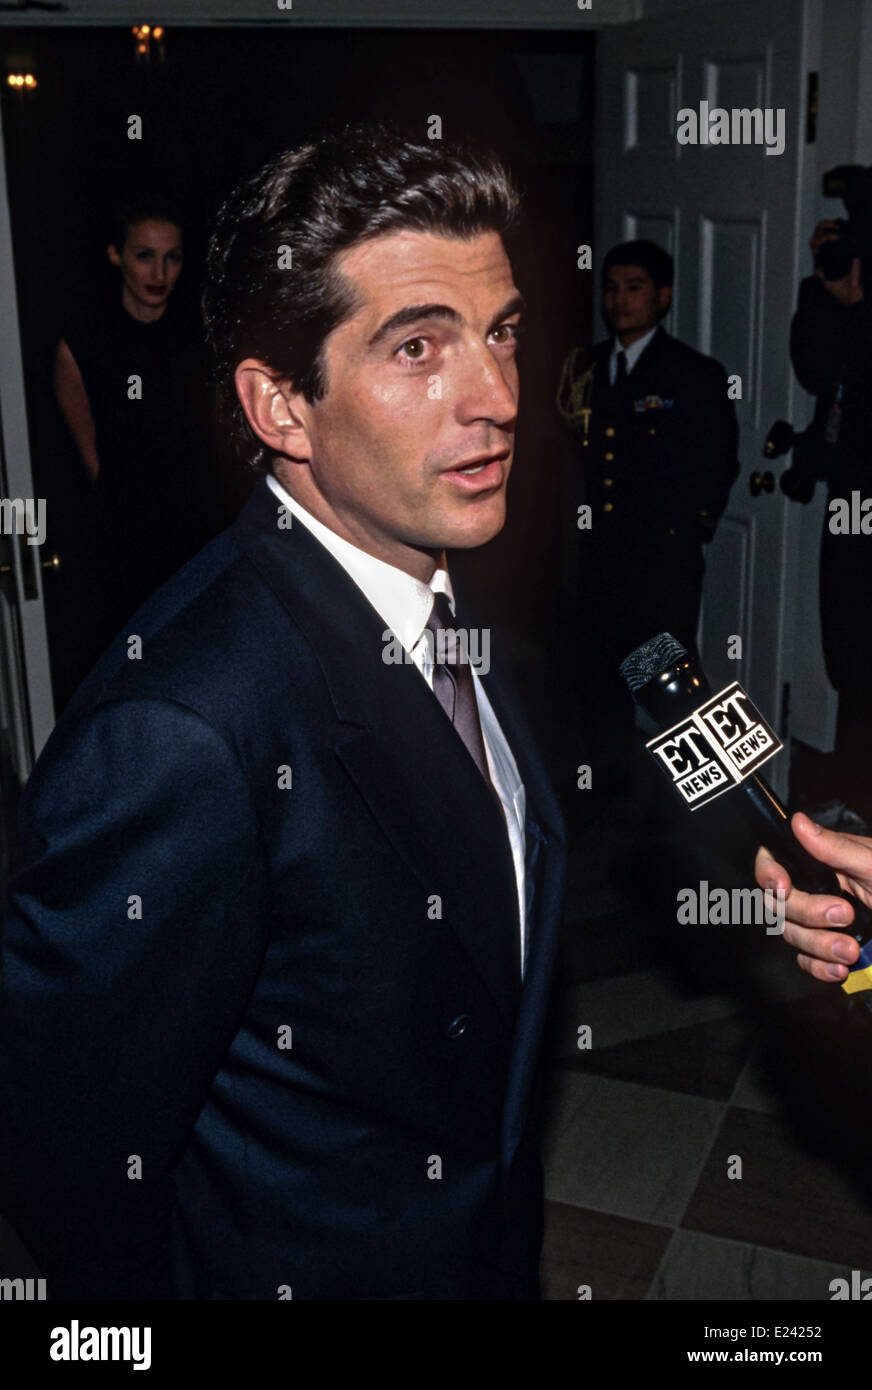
[453, 685]
[621, 373]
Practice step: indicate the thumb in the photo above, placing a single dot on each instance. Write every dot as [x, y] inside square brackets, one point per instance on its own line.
[849, 854]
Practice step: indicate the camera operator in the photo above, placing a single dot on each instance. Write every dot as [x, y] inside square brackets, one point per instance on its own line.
[831, 352]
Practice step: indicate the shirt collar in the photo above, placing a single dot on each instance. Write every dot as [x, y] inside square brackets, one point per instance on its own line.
[403, 601]
[635, 350]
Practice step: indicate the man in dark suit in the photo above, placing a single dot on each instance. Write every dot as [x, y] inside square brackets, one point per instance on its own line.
[659, 440]
[831, 352]
[277, 961]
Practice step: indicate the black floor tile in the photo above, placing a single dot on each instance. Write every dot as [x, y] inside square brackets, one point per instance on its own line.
[704, 1060]
[613, 1257]
[787, 1198]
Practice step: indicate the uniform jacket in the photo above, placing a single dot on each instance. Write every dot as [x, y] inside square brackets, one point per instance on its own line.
[659, 458]
[673, 437]
[250, 1038]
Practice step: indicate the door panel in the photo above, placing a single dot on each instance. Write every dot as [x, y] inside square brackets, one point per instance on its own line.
[26, 707]
[731, 217]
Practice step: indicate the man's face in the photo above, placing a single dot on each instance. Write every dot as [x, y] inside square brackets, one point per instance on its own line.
[632, 303]
[412, 445]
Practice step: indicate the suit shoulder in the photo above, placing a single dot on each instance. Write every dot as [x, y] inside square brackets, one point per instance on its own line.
[202, 640]
[690, 360]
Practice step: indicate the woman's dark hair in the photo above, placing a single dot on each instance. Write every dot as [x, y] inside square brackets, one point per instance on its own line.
[149, 205]
[272, 290]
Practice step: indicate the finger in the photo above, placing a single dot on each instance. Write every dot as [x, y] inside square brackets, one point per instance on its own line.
[822, 911]
[819, 911]
[770, 874]
[824, 952]
[827, 955]
[847, 854]
[829, 973]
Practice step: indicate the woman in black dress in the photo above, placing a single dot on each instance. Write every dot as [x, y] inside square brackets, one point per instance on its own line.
[129, 374]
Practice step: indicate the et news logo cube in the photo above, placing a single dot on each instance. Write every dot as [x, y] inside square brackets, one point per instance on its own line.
[715, 747]
[738, 729]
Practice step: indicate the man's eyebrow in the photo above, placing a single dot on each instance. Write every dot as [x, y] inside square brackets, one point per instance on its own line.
[415, 313]
[516, 305]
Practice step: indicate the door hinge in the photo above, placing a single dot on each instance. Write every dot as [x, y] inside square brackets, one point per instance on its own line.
[811, 107]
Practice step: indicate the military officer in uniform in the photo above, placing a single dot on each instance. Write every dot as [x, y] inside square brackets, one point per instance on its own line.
[659, 437]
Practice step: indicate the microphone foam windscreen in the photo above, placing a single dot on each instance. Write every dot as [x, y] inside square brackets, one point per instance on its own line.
[649, 660]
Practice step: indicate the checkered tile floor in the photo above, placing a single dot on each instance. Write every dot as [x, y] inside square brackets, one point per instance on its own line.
[711, 1056]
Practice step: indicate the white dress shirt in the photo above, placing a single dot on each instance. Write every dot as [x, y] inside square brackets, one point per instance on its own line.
[405, 603]
[632, 353]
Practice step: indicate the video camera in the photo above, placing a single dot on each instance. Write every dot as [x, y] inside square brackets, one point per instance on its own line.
[853, 184]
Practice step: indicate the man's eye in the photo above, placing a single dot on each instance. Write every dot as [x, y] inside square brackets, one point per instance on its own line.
[413, 348]
[507, 333]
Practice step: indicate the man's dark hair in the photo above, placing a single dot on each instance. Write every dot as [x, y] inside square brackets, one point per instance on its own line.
[647, 254]
[272, 290]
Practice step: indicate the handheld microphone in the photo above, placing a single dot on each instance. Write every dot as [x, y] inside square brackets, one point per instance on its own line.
[711, 746]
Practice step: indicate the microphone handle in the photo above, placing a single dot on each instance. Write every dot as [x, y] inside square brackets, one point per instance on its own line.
[770, 820]
[674, 695]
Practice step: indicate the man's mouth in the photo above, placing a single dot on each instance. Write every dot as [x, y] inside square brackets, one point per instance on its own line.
[475, 465]
[487, 471]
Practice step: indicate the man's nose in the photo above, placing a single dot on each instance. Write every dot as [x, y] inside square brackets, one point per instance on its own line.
[486, 391]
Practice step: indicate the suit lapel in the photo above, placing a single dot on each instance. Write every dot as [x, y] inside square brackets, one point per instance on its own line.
[400, 751]
[545, 864]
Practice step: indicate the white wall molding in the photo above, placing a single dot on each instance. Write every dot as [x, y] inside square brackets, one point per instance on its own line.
[405, 14]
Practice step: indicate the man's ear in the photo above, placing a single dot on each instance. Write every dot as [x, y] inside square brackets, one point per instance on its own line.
[112, 253]
[275, 411]
[664, 299]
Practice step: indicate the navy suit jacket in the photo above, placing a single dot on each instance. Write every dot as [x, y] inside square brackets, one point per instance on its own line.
[244, 1053]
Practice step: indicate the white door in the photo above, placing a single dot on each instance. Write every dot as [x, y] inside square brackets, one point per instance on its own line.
[735, 218]
[26, 708]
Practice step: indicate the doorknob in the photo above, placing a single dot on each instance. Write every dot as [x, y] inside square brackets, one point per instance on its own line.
[762, 482]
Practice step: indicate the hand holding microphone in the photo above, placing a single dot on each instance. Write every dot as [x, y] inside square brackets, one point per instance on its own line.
[815, 923]
[711, 746]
